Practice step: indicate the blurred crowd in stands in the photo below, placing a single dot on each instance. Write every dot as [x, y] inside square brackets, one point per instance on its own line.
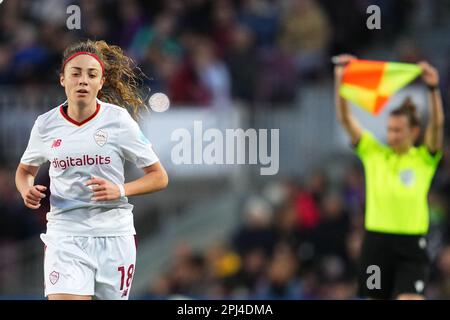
[299, 238]
[203, 52]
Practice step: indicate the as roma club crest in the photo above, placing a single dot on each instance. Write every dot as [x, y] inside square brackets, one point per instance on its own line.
[54, 277]
[101, 137]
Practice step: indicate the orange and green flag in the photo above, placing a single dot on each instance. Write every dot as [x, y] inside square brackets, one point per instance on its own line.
[370, 84]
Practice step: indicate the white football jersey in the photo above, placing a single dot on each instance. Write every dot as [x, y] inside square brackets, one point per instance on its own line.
[95, 147]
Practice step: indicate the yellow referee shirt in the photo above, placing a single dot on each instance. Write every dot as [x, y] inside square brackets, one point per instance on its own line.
[396, 186]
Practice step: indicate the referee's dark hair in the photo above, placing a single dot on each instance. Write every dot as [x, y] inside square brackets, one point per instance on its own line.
[408, 109]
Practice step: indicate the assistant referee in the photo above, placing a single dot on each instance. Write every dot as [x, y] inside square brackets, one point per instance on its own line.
[398, 177]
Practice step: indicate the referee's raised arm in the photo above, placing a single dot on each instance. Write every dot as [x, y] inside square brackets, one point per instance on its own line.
[434, 134]
[343, 112]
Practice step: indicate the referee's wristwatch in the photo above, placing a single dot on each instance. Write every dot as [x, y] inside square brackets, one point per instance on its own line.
[433, 87]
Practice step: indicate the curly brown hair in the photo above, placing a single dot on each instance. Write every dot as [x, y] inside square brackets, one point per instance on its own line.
[123, 79]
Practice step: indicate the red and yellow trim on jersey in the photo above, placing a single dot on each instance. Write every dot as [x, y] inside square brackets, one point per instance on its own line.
[66, 116]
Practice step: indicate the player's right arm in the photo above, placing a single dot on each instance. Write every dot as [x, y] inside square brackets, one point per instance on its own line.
[31, 194]
[343, 112]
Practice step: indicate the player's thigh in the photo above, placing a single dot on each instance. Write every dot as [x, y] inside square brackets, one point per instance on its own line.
[68, 270]
[116, 268]
[68, 297]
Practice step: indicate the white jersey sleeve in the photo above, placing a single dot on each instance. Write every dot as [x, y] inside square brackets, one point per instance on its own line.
[135, 147]
[34, 155]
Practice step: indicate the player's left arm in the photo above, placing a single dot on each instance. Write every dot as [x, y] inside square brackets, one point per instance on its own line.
[434, 133]
[155, 179]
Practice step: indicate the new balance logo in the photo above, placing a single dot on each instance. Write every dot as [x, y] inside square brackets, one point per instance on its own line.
[56, 143]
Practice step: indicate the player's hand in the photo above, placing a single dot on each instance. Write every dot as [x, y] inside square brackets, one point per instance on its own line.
[340, 62]
[343, 59]
[103, 190]
[33, 195]
[430, 74]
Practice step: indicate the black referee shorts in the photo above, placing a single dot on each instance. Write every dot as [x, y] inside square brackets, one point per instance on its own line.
[392, 264]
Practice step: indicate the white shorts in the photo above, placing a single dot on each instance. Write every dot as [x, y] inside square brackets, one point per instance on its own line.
[96, 266]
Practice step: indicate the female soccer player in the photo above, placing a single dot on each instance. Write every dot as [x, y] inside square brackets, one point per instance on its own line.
[90, 246]
[398, 177]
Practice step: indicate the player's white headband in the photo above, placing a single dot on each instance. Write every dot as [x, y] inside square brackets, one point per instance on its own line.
[93, 55]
